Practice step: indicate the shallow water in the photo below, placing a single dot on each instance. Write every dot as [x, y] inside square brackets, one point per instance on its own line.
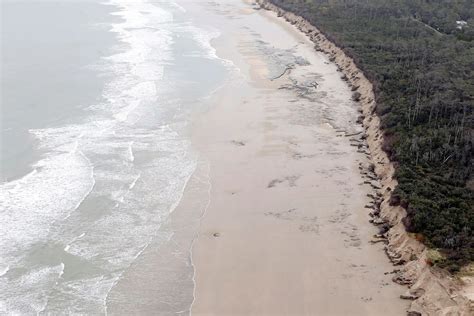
[95, 154]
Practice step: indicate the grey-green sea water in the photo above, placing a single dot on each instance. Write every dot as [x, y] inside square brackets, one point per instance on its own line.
[96, 99]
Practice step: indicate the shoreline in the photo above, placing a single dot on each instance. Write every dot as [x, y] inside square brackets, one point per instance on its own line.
[432, 291]
[285, 231]
[162, 277]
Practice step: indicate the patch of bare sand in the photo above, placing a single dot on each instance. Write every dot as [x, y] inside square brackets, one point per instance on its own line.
[286, 232]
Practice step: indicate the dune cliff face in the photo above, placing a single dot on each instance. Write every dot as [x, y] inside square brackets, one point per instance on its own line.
[431, 290]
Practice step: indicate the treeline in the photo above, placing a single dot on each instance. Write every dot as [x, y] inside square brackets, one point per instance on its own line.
[420, 56]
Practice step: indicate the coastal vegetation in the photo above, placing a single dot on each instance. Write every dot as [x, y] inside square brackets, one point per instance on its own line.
[419, 55]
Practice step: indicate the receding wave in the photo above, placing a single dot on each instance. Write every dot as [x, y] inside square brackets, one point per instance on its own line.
[105, 182]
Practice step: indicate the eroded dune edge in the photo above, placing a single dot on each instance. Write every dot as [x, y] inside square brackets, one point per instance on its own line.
[431, 290]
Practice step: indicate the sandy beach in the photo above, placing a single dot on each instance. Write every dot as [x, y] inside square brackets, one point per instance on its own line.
[285, 231]
[235, 158]
[202, 157]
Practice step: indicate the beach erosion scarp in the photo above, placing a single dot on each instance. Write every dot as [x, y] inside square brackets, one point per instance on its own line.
[431, 291]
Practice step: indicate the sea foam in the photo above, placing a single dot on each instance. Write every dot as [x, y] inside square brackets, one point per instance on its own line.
[106, 181]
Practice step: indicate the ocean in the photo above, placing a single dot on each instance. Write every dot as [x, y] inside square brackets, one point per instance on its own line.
[97, 99]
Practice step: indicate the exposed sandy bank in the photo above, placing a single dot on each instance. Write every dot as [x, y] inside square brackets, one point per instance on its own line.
[431, 291]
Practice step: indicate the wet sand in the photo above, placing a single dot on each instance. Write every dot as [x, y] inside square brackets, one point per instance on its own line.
[285, 231]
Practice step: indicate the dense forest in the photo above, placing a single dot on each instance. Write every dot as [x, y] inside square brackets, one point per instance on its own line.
[419, 54]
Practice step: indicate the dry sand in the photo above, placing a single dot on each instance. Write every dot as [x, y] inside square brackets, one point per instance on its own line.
[285, 231]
